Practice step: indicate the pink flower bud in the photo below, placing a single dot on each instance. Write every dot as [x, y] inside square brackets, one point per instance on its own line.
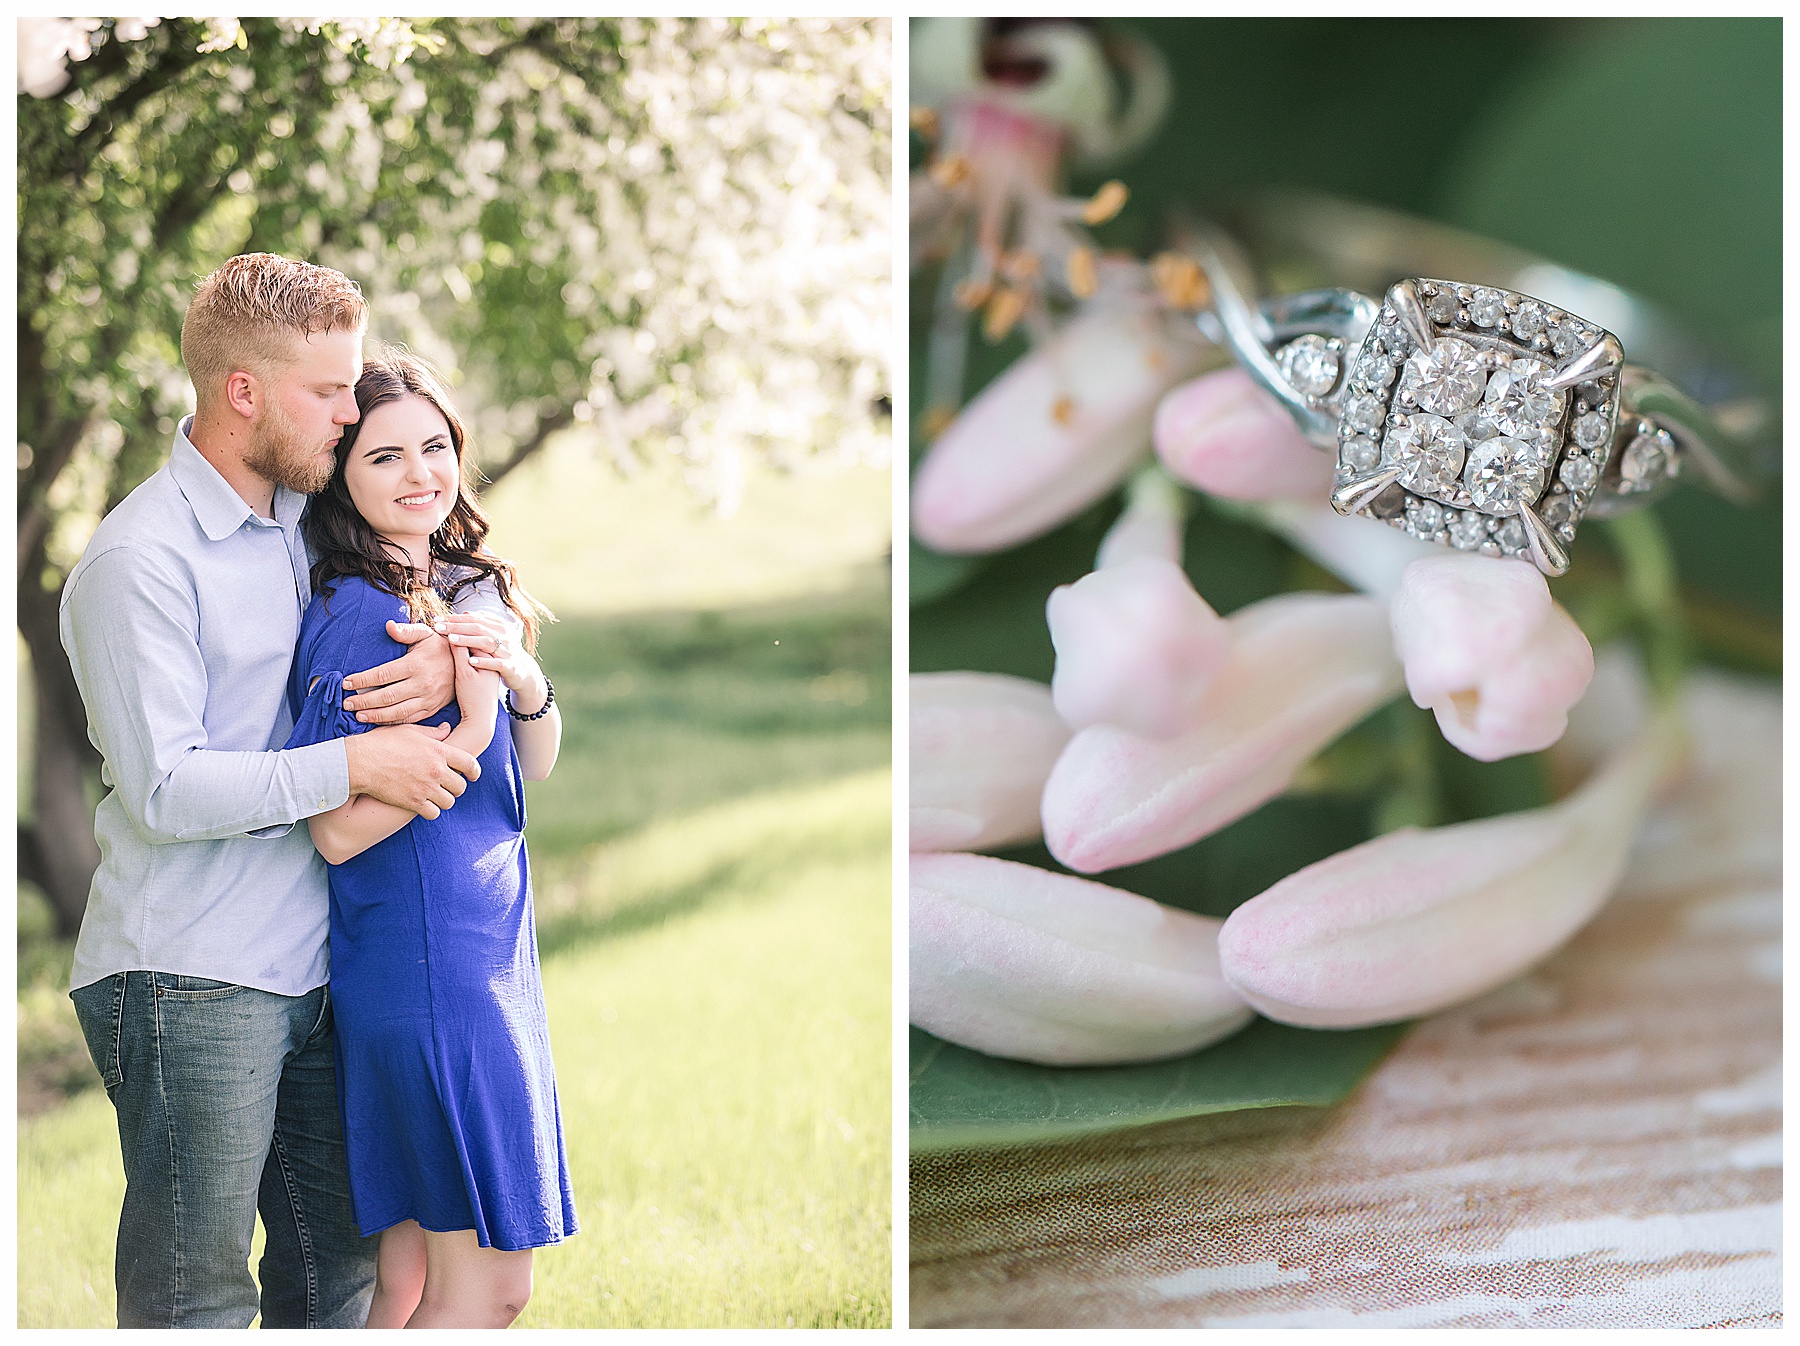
[1302, 669]
[1051, 435]
[1150, 524]
[1225, 435]
[1136, 647]
[1415, 921]
[1021, 962]
[982, 745]
[1489, 653]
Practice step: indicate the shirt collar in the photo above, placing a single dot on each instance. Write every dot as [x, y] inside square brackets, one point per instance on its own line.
[220, 510]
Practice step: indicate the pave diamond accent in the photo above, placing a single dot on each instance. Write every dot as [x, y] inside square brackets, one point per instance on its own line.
[1567, 337]
[1361, 454]
[1427, 517]
[1646, 461]
[1376, 372]
[1311, 365]
[1468, 530]
[1488, 308]
[1365, 414]
[1590, 430]
[1579, 473]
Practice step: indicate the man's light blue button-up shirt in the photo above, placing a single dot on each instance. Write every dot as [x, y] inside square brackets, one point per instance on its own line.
[180, 621]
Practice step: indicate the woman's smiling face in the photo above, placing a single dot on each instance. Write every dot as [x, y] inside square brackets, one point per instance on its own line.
[403, 474]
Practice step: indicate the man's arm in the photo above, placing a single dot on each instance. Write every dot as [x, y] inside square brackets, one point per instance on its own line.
[128, 627]
[412, 768]
[413, 687]
[353, 827]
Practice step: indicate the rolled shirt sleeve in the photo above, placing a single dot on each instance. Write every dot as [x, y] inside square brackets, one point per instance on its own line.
[132, 630]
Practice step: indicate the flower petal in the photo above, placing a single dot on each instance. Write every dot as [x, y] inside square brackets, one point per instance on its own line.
[1303, 668]
[1456, 616]
[982, 745]
[1136, 647]
[1008, 468]
[1415, 921]
[1225, 435]
[1522, 704]
[1025, 963]
[1489, 652]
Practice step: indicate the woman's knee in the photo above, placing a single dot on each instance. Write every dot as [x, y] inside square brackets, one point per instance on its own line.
[513, 1287]
[477, 1286]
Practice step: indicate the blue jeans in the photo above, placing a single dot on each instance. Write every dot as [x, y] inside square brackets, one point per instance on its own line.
[227, 1103]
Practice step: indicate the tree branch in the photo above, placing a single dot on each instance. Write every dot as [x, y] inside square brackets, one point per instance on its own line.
[561, 419]
[168, 65]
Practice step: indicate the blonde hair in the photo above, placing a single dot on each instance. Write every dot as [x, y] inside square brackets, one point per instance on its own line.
[248, 312]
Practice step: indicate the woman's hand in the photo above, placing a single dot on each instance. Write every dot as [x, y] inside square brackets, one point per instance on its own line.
[477, 689]
[489, 646]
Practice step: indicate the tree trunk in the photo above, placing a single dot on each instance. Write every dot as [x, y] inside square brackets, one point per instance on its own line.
[60, 854]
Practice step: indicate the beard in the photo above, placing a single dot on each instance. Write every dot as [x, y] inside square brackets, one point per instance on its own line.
[279, 453]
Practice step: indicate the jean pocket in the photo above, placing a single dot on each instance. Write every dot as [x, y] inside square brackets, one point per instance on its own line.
[100, 1009]
[177, 986]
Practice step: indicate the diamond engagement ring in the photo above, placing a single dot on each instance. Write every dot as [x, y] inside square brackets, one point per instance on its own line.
[1475, 413]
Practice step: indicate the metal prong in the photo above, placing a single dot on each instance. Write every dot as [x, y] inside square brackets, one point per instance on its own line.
[1600, 359]
[1359, 491]
[1404, 300]
[1546, 551]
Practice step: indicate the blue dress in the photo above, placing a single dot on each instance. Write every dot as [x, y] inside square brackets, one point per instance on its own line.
[443, 1048]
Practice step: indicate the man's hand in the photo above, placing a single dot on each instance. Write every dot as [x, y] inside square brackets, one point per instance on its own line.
[410, 767]
[411, 688]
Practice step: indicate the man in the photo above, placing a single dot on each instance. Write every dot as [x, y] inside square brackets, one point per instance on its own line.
[200, 969]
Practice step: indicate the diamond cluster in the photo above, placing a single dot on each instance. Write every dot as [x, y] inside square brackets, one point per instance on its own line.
[1469, 422]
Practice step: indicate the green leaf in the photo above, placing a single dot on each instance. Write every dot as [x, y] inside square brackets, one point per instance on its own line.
[932, 574]
[960, 1099]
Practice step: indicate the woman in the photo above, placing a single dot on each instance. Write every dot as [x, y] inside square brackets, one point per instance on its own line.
[451, 1125]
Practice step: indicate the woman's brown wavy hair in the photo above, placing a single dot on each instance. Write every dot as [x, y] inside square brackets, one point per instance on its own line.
[347, 546]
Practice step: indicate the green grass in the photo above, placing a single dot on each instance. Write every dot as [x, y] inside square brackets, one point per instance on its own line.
[731, 1063]
[711, 860]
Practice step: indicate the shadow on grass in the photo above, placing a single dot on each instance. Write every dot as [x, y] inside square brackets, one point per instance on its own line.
[668, 713]
[742, 851]
[574, 929]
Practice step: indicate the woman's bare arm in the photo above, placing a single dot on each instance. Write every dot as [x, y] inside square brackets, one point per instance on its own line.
[492, 647]
[536, 741]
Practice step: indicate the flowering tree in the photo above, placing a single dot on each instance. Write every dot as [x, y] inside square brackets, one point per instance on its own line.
[674, 231]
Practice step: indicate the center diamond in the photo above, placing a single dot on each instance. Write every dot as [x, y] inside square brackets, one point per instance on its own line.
[1447, 378]
[1429, 451]
[1504, 473]
[1517, 402]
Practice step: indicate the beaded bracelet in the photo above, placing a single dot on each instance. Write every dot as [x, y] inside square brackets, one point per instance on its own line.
[541, 711]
